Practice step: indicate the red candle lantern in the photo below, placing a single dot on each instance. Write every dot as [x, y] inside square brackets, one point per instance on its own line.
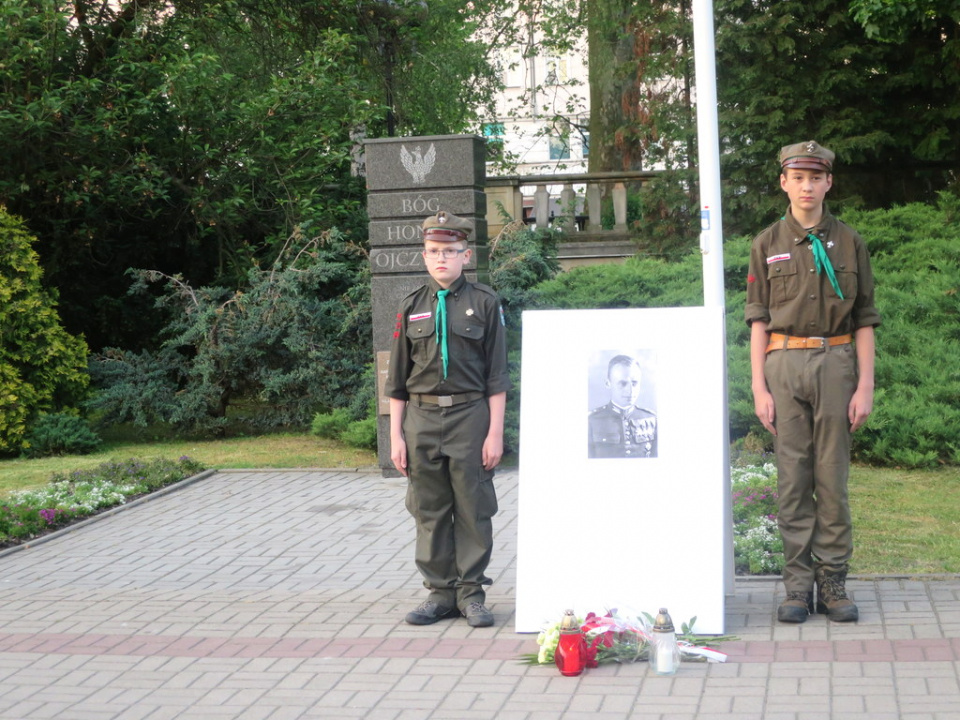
[571, 653]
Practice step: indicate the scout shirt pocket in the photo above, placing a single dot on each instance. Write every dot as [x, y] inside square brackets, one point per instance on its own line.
[784, 283]
[421, 337]
[848, 281]
[468, 328]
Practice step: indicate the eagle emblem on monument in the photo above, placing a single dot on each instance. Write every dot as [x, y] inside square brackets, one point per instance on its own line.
[418, 164]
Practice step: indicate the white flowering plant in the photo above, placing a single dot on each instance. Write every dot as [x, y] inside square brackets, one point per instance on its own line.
[69, 497]
[757, 545]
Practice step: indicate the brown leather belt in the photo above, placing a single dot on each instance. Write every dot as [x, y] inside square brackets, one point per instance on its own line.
[446, 400]
[790, 342]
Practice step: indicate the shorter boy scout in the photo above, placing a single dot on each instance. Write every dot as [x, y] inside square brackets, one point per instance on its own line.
[621, 429]
[812, 317]
[447, 384]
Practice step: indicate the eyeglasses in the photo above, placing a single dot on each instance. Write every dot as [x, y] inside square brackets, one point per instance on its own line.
[446, 253]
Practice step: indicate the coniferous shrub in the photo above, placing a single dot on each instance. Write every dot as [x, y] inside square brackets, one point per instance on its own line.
[915, 254]
[42, 367]
[331, 424]
[60, 434]
[293, 341]
[361, 433]
[520, 259]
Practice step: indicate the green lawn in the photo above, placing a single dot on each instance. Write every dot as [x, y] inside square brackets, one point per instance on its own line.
[267, 451]
[905, 521]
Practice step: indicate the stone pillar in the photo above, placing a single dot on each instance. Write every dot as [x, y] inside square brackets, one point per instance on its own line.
[408, 180]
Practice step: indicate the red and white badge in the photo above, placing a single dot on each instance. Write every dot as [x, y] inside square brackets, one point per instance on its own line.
[778, 258]
[421, 316]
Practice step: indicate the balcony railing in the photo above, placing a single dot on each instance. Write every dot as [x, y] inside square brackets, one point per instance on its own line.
[573, 204]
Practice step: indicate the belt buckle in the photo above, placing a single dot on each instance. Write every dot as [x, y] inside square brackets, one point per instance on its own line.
[445, 400]
[823, 341]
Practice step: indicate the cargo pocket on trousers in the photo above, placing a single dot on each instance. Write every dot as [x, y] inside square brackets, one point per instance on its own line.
[413, 507]
[486, 496]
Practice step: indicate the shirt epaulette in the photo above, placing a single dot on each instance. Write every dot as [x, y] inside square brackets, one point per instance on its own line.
[412, 293]
[487, 289]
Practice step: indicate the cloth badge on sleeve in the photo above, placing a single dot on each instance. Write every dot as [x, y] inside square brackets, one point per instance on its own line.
[778, 258]
[421, 316]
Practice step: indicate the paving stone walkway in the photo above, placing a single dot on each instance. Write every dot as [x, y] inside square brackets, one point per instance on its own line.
[275, 595]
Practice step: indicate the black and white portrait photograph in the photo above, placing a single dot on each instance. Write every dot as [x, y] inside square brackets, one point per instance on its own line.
[622, 412]
[622, 420]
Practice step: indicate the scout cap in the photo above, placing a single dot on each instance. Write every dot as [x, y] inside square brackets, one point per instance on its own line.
[808, 155]
[446, 227]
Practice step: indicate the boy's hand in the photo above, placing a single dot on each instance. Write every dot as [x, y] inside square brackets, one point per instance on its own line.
[861, 405]
[398, 454]
[492, 451]
[763, 406]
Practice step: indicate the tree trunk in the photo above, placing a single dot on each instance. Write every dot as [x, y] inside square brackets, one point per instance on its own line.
[614, 87]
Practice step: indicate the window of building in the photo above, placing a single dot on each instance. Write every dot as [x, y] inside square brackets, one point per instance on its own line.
[513, 68]
[559, 147]
[557, 73]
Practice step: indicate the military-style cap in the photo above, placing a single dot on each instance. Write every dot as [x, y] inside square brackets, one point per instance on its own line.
[446, 227]
[808, 155]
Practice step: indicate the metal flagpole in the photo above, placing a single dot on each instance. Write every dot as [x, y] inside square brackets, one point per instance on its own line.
[711, 225]
[711, 218]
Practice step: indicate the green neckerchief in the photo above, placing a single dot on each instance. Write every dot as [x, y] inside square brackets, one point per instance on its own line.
[441, 327]
[822, 261]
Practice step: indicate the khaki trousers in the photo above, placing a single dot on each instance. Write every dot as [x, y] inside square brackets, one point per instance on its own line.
[452, 499]
[812, 391]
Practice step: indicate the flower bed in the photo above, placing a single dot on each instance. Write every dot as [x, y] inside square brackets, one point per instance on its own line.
[757, 546]
[68, 498]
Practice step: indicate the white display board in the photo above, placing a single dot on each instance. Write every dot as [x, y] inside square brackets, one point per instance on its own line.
[646, 529]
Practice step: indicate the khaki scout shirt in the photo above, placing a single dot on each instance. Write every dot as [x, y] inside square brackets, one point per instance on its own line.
[785, 291]
[476, 344]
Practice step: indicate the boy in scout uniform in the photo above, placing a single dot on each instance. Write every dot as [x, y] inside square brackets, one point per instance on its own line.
[621, 429]
[447, 384]
[812, 316]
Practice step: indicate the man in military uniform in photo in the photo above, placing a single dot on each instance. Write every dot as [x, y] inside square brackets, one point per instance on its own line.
[620, 429]
[447, 384]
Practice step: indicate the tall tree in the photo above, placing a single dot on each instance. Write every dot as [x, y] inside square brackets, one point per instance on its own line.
[195, 136]
[791, 70]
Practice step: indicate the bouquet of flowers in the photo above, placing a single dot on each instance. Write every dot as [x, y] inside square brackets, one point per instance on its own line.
[621, 637]
[614, 637]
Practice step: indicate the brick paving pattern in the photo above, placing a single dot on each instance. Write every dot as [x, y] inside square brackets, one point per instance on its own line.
[276, 595]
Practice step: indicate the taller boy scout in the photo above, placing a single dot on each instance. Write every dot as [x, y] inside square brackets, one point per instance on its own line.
[812, 317]
[447, 384]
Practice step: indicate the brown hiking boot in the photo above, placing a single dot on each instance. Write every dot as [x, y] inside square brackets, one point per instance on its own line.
[796, 608]
[832, 599]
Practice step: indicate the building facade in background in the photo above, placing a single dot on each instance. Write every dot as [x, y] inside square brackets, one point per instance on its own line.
[542, 116]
